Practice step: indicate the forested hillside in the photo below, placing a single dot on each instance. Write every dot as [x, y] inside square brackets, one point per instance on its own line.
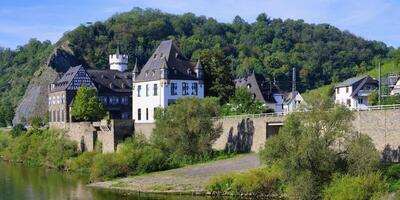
[16, 69]
[321, 53]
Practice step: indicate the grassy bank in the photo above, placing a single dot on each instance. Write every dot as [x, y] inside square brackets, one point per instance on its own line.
[50, 148]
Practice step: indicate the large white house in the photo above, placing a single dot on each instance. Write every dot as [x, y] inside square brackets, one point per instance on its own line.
[166, 77]
[354, 92]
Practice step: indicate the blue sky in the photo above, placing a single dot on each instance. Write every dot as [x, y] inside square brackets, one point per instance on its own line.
[21, 20]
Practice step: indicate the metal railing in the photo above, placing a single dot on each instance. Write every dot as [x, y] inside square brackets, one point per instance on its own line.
[279, 114]
[378, 107]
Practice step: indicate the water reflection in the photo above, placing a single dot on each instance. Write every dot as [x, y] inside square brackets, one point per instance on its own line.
[21, 182]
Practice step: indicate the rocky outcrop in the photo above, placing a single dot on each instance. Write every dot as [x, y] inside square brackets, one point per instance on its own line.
[35, 100]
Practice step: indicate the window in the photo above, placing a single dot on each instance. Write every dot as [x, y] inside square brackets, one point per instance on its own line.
[139, 90]
[147, 90]
[147, 114]
[360, 101]
[337, 90]
[125, 115]
[124, 100]
[348, 102]
[195, 90]
[54, 116]
[58, 115]
[116, 100]
[111, 100]
[139, 114]
[155, 90]
[174, 88]
[62, 99]
[49, 100]
[185, 88]
[62, 115]
[347, 89]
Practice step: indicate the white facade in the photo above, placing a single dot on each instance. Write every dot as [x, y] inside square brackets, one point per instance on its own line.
[343, 97]
[293, 103]
[118, 62]
[145, 103]
[396, 89]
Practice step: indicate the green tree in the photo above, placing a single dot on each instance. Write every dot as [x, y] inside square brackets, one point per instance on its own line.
[218, 80]
[313, 145]
[86, 106]
[373, 98]
[185, 129]
[243, 102]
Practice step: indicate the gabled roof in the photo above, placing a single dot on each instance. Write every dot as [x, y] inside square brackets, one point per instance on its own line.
[66, 79]
[350, 81]
[104, 80]
[362, 83]
[167, 55]
[111, 80]
[290, 96]
[256, 83]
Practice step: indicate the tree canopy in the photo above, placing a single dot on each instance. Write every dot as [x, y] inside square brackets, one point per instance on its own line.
[86, 106]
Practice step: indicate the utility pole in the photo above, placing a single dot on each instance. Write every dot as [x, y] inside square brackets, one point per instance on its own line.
[379, 100]
[293, 80]
[294, 87]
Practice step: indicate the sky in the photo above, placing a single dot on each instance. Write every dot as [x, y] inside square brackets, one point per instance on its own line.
[21, 20]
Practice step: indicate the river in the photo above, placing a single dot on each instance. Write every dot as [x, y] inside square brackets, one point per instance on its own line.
[19, 182]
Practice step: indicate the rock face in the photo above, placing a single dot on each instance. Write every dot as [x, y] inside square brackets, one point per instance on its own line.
[35, 100]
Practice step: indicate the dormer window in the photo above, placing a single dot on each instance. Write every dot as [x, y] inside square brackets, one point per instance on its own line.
[153, 72]
[146, 73]
[155, 56]
[248, 86]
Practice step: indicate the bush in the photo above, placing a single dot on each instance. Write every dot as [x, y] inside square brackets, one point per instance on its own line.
[185, 129]
[108, 166]
[46, 148]
[369, 186]
[5, 140]
[18, 130]
[266, 181]
[82, 163]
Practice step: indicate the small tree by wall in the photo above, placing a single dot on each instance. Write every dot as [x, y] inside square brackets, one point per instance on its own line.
[86, 106]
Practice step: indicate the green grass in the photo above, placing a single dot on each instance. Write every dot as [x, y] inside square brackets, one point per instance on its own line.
[387, 68]
[326, 91]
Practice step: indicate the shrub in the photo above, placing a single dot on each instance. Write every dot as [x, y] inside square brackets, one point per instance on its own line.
[5, 140]
[151, 159]
[108, 166]
[185, 129]
[369, 186]
[82, 163]
[266, 181]
[36, 122]
[18, 130]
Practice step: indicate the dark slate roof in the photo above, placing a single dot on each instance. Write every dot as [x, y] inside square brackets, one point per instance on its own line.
[63, 82]
[167, 55]
[289, 97]
[106, 81]
[364, 81]
[111, 80]
[390, 80]
[350, 81]
[262, 89]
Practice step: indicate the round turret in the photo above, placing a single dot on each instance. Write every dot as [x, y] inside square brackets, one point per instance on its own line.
[118, 61]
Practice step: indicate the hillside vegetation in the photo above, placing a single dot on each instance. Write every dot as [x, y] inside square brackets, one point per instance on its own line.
[321, 53]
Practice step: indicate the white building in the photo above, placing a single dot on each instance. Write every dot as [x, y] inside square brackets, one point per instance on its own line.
[166, 77]
[118, 62]
[354, 92]
[292, 102]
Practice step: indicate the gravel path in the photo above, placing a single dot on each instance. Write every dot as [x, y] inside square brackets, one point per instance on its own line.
[190, 179]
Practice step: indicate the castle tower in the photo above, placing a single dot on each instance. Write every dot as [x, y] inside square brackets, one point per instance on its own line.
[118, 62]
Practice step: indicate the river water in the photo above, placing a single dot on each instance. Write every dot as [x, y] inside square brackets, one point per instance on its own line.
[31, 183]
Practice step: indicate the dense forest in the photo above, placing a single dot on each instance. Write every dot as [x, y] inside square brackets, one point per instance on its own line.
[321, 53]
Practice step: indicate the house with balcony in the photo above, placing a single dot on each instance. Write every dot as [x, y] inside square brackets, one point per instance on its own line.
[353, 92]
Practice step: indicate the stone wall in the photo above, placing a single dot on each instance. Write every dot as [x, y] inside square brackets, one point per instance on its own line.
[144, 128]
[245, 134]
[87, 134]
[383, 126]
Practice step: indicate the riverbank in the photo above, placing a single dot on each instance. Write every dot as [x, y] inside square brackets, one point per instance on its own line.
[190, 180]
